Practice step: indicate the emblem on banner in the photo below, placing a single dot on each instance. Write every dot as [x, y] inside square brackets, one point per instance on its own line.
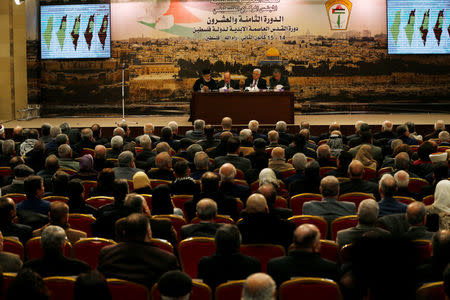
[338, 13]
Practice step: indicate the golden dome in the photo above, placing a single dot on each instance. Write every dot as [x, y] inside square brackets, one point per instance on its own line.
[272, 52]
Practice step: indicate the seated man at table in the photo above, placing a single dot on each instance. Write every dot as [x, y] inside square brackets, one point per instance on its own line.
[227, 83]
[278, 81]
[255, 82]
[206, 83]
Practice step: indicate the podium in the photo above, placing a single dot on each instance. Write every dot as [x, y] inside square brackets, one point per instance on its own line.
[266, 107]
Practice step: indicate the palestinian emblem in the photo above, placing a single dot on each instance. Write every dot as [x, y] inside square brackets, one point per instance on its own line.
[338, 13]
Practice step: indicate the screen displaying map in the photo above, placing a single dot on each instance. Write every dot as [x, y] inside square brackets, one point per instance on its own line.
[418, 27]
[75, 31]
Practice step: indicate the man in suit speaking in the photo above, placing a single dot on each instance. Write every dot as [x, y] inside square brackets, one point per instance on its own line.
[227, 83]
[255, 82]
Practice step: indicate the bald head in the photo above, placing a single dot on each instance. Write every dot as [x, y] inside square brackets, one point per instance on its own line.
[355, 169]
[100, 151]
[402, 179]
[163, 161]
[206, 209]
[269, 192]
[402, 161]
[278, 153]
[227, 172]
[323, 151]
[416, 214]
[307, 238]
[227, 123]
[259, 286]
[256, 203]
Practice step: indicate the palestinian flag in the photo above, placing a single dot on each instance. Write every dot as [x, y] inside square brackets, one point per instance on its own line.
[338, 10]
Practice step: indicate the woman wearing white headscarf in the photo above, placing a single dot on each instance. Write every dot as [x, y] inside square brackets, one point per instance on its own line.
[441, 205]
[267, 175]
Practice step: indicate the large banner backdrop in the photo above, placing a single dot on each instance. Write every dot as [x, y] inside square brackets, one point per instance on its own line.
[332, 51]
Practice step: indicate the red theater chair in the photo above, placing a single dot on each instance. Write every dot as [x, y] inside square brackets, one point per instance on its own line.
[88, 185]
[34, 250]
[219, 219]
[355, 198]
[385, 170]
[200, 291]
[310, 289]
[191, 250]
[369, 173]
[68, 171]
[60, 287]
[428, 200]
[231, 290]
[431, 291]
[177, 222]
[404, 199]
[296, 202]
[122, 289]
[280, 202]
[329, 250]
[5, 171]
[13, 245]
[180, 200]
[56, 198]
[263, 252]
[99, 201]
[416, 184]
[324, 170]
[287, 173]
[320, 222]
[16, 197]
[342, 223]
[155, 182]
[162, 244]
[81, 222]
[422, 250]
[148, 199]
[88, 250]
[7, 278]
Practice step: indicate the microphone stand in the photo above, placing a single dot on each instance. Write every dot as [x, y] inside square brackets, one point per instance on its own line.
[123, 98]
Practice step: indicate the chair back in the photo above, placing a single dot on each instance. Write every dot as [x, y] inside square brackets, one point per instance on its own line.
[416, 184]
[138, 149]
[346, 253]
[431, 291]
[288, 173]
[309, 288]
[263, 252]
[240, 205]
[130, 185]
[240, 182]
[342, 223]
[356, 198]
[88, 249]
[443, 148]
[296, 202]
[5, 171]
[163, 245]
[88, 185]
[254, 186]
[81, 222]
[221, 219]
[155, 182]
[34, 250]
[280, 202]
[385, 170]
[14, 246]
[191, 250]
[320, 222]
[231, 290]
[404, 199]
[56, 198]
[86, 151]
[7, 279]
[68, 171]
[60, 287]
[329, 250]
[200, 291]
[16, 197]
[325, 170]
[428, 200]
[422, 250]
[180, 200]
[369, 173]
[321, 142]
[123, 289]
[99, 201]
[177, 222]
[148, 199]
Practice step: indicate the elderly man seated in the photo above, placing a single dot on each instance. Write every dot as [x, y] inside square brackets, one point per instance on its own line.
[163, 170]
[324, 156]
[126, 168]
[273, 139]
[116, 146]
[206, 212]
[227, 174]
[416, 215]
[259, 286]
[278, 161]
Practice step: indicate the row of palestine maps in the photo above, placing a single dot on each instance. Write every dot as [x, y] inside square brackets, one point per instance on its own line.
[75, 31]
[418, 27]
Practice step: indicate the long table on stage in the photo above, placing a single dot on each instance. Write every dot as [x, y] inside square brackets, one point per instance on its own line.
[266, 107]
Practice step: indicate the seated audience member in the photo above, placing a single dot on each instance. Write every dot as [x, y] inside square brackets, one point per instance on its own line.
[441, 204]
[285, 138]
[206, 212]
[54, 263]
[259, 286]
[169, 136]
[209, 141]
[227, 174]
[163, 170]
[375, 151]
[141, 183]
[310, 142]
[35, 158]
[299, 146]
[87, 141]
[27, 285]
[259, 152]
[52, 145]
[75, 192]
[343, 161]
[31, 136]
[162, 202]
[269, 191]
[21, 172]
[7, 225]
[364, 155]
[142, 157]
[198, 132]
[185, 143]
[51, 166]
[310, 183]
[304, 260]
[273, 139]
[412, 131]
[136, 259]
[299, 163]
[105, 183]
[45, 133]
[324, 156]
[97, 134]
[227, 263]
[440, 172]
[444, 139]
[60, 182]
[402, 181]
[260, 227]
[87, 171]
[416, 215]
[386, 133]
[438, 127]
[201, 162]
[126, 168]
[388, 205]
[232, 157]
[183, 184]
[116, 147]
[246, 137]
[329, 208]
[221, 148]
[403, 134]
[278, 161]
[34, 190]
[423, 165]
[65, 158]
[357, 183]
[59, 216]
[127, 132]
[9, 262]
[91, 286]
[402, 162]
[8, 152]
[355, 139]
[100, 161]
[333, 126]
[335, 143]
[367, 219]
[433, 270]
[175, 285]
[392, 149]
[190, 154]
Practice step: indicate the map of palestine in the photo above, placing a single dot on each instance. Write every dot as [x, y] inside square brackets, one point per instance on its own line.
[103, 31]
[395, 28]
[76, 31]
[48, 32]
[88, 34]
[438, 27]
[409, 28]
[61, 34]
[424, 27]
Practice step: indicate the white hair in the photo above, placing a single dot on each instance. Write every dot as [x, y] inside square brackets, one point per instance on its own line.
[444, 136]
[257, 70]
[358, 124]
[440, 124]
[273, 136]
[281, 126]
[402, 182]
[199, 124]
[299, 161]
[116, 142]
[267, 175]
[173, 125]
[145, 141]
[244, 134]
[201, 160]
[368, 211]
[64, 151]
[148, 128]
[253, 125]
[387, 125]
[265, 290]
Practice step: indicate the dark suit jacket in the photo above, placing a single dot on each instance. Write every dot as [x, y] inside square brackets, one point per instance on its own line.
[284, 81]
[262, 83]
[212, 84]
[418, 233]
[218, 268]
[15, 187]
[161, 174]
[235, 190]
[304, 185]
[291, 151]
[350, 235]
[233, 83]
[240, 163]
[390, 206]
[301, 264]
[57, 266]
[195, 135]
[10, 262]
[185, 187]
[329, 209]
[205, 229]
[360, 186]
[136, 261]
[396, 224]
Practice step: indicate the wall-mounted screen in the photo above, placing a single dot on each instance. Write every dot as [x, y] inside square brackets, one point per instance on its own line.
[75, 31]
[418, 27]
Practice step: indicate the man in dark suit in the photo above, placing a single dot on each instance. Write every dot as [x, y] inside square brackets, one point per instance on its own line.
[304, 260]
[163, 170]
[329, 208]
[270, 193]
[402, 179]
[7, 226]
[260, 227]
[367, 218]
[299, 143]
[357, 183]
[20, 173]
[136, 259]
[388, 205]
[255, 82]
[198, 132]
[209, 141]
[310, 183]
[127, 167]
[227, 263]
[227, 174]
[227, 83]
[232, 157]
[438, 127]
[299, 163]
[206, 212]
[279, 80]
[142, 157]
[9, 262]
[183, 184]
[54, 263]
[416, 215]
[87, 141]
[205, 83]
[168, 137]
[285, 138]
